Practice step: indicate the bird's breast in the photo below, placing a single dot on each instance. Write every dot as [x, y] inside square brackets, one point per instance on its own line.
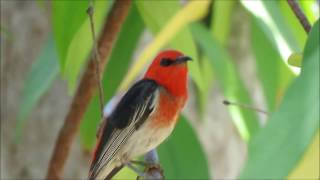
[167, 110]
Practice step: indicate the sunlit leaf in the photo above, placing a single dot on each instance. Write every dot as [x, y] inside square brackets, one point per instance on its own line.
[228, 77]
[67, 17]
[293, 23]
[208, 77]
[221, 17]
[282, 25]
[310, 9]
[295, 59]
[81, 45]
[181, 156]
[274, 74]
[38, 81]
[275, 151]
[73, 34]
[125, 173]
[116, 69]
[275, 25]
[166, 16]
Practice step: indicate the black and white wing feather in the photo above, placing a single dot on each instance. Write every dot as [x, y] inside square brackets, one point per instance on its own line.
[131, 112]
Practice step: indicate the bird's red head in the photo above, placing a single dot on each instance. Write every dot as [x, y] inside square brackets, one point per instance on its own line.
[169, 69]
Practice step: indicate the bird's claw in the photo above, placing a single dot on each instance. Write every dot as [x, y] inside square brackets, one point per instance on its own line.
[154, 166]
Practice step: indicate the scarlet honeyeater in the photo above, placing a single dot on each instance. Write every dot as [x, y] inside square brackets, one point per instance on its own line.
[144, 117]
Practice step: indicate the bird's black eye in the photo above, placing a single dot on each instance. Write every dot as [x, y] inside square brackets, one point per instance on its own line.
[166, 62]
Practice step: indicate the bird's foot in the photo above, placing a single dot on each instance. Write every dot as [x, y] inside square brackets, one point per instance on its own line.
[151, 170]
[134, 168]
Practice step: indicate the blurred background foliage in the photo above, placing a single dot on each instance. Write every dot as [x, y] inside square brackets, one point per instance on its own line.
[284, 145]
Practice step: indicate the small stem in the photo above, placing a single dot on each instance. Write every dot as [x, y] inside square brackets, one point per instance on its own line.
[227, 103]
[300, 15]
[90, 12]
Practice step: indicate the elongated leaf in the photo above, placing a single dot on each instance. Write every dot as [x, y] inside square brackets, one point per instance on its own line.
[119, 61]
[310, 9]
[271, 20]
[165, 16]
[67, 17]
[245, 120]
[293, 23]
[208, 78]
[282, 25]
[181, 156]
[81, 44]
[73, 34]
[308, 167]
[221, 18]
[38, 81]
[274, 74]
[275, 151]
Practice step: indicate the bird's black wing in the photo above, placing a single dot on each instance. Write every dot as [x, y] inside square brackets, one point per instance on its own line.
[130, 113]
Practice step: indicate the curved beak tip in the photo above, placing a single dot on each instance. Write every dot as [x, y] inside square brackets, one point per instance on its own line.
[182, 59]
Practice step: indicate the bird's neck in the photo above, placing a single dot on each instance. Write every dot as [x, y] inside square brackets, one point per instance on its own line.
[176, 87]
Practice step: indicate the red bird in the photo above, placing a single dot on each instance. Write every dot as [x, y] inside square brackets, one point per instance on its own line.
[144, 117]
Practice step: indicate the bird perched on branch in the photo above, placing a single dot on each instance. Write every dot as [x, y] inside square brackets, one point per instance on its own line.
[144, 117]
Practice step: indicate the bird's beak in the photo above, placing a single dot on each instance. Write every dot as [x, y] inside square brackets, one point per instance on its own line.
[182, 59]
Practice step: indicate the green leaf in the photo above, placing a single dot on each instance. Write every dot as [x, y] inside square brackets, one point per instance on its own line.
[274, 74]
[156, 14]
[125, 173]
[293, 23]
[274, 10]
[67, 17]
[181, 156]
[208, 78]
[117, 67]
[37, 82]
[295, 59]
[310, 10]
[308, 166]
[221, 18]
[75, 42]
[233, 88]
[273, 22]
[275, 151]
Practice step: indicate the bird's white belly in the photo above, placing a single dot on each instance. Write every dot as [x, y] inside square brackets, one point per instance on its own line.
[145, 139]
[141, 141]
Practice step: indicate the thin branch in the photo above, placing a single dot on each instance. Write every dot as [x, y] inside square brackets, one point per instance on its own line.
[227, 103]
[300, 15]
[85, 90]
[90, 12]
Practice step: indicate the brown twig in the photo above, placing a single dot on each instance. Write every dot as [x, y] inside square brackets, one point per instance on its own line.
[85, 90]
[96, 55]
[227, 103]
[300, 15]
